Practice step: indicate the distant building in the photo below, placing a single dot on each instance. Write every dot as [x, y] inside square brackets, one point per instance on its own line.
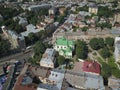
[117, 49]
[17, 41]
[93, 9]
[64, 47]
[114, 84]
[48, 58]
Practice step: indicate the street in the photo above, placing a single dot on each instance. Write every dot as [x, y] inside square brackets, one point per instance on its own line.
[18, 56]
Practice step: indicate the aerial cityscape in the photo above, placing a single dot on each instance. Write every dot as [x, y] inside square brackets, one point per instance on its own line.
[59, 44]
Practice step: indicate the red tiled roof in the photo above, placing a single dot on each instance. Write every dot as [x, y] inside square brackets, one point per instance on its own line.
[93, 67]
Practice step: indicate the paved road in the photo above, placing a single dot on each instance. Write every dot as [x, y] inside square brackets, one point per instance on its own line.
[18, 56]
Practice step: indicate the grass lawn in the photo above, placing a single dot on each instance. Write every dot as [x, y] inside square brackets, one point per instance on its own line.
[111, 62]
[99, 60]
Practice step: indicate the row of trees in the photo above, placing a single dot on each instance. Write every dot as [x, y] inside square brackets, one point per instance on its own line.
[104, 25]
[105, 11]
[98, 43]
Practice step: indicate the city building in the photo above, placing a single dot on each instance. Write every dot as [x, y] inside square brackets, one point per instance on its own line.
[93, 9]
[48, 58]
[117, 49]
[64, 47]
[17, 41]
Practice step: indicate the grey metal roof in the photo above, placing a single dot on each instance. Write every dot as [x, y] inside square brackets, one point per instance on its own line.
[48, 56]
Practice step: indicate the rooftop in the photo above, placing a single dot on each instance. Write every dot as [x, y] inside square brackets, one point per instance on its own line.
[87, 66]
[93, 67]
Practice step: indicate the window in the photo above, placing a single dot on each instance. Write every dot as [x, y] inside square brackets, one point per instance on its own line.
[57, 46]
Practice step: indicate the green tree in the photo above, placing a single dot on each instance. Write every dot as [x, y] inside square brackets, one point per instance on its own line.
[105, 52]
[106, 70]
[109, 41]
[116, 72]
[18, 28]
[60, 60]
[84, 29]
[96, 43]
[81, 49]
[32, 37]
[103, 11]
[39, 48]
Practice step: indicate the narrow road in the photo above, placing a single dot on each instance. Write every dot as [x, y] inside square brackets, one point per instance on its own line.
[18, 56]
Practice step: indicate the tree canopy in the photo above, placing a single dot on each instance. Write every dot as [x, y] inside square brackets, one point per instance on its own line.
[39, 48]
[105, 11]
[97, 43]
[105, 52]
[81, 49]
[84, 29]
[109, 41]
[60, 60]
[106, 70]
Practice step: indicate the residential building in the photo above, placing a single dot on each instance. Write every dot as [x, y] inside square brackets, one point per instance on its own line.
[48, 58]
[17, 41]
[93, 9]
[117, 49]
[64, 47]
[114, 83]
[88, 67]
